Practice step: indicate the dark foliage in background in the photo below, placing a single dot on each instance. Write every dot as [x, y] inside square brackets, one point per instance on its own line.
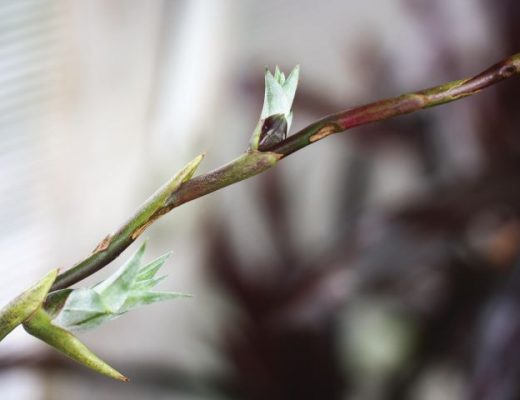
[449, 259]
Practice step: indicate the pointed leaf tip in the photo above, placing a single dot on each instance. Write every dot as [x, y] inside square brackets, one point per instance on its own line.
[40, 326]
[24, 305]
[277, 74]
[189, 169]
[148, 271]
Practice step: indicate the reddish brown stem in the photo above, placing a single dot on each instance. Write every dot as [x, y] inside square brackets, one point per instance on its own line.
[404, 104]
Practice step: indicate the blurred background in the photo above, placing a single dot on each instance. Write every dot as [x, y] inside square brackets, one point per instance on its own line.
[378, 264]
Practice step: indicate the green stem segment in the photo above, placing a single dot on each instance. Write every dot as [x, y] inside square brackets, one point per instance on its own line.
[113, 245]
[254, 162]
[166, 198]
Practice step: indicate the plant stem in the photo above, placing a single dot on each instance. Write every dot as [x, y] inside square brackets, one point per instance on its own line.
[249, 164]
[253, 162]
[339, 122]
[404, 104]
[113, 245]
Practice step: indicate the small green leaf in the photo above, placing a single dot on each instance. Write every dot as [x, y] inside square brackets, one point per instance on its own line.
[21, 308]
[278, 98]
[275, 99]
[143, 298]
[175, 183]
[279, 92]
[277, 74]
[114, 289]
[129, 287]
[40, 326]
[84, 309]
[291, 84]
[147, 284]
[155, 205]
[151, 269]
[189, 169]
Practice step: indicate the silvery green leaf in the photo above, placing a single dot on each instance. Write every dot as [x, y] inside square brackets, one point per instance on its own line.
[277, 74]
[275, 99]
[151, 269]
[129, 287]
[147, 284]
[83, 309]
[279, 92]
[278, 98]
[290, 84]
[143, 298]
[113, 290]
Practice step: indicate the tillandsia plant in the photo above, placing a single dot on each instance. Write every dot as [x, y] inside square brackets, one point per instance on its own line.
[52, 317]
[128, 288]
[276, 116]
[51, 310]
